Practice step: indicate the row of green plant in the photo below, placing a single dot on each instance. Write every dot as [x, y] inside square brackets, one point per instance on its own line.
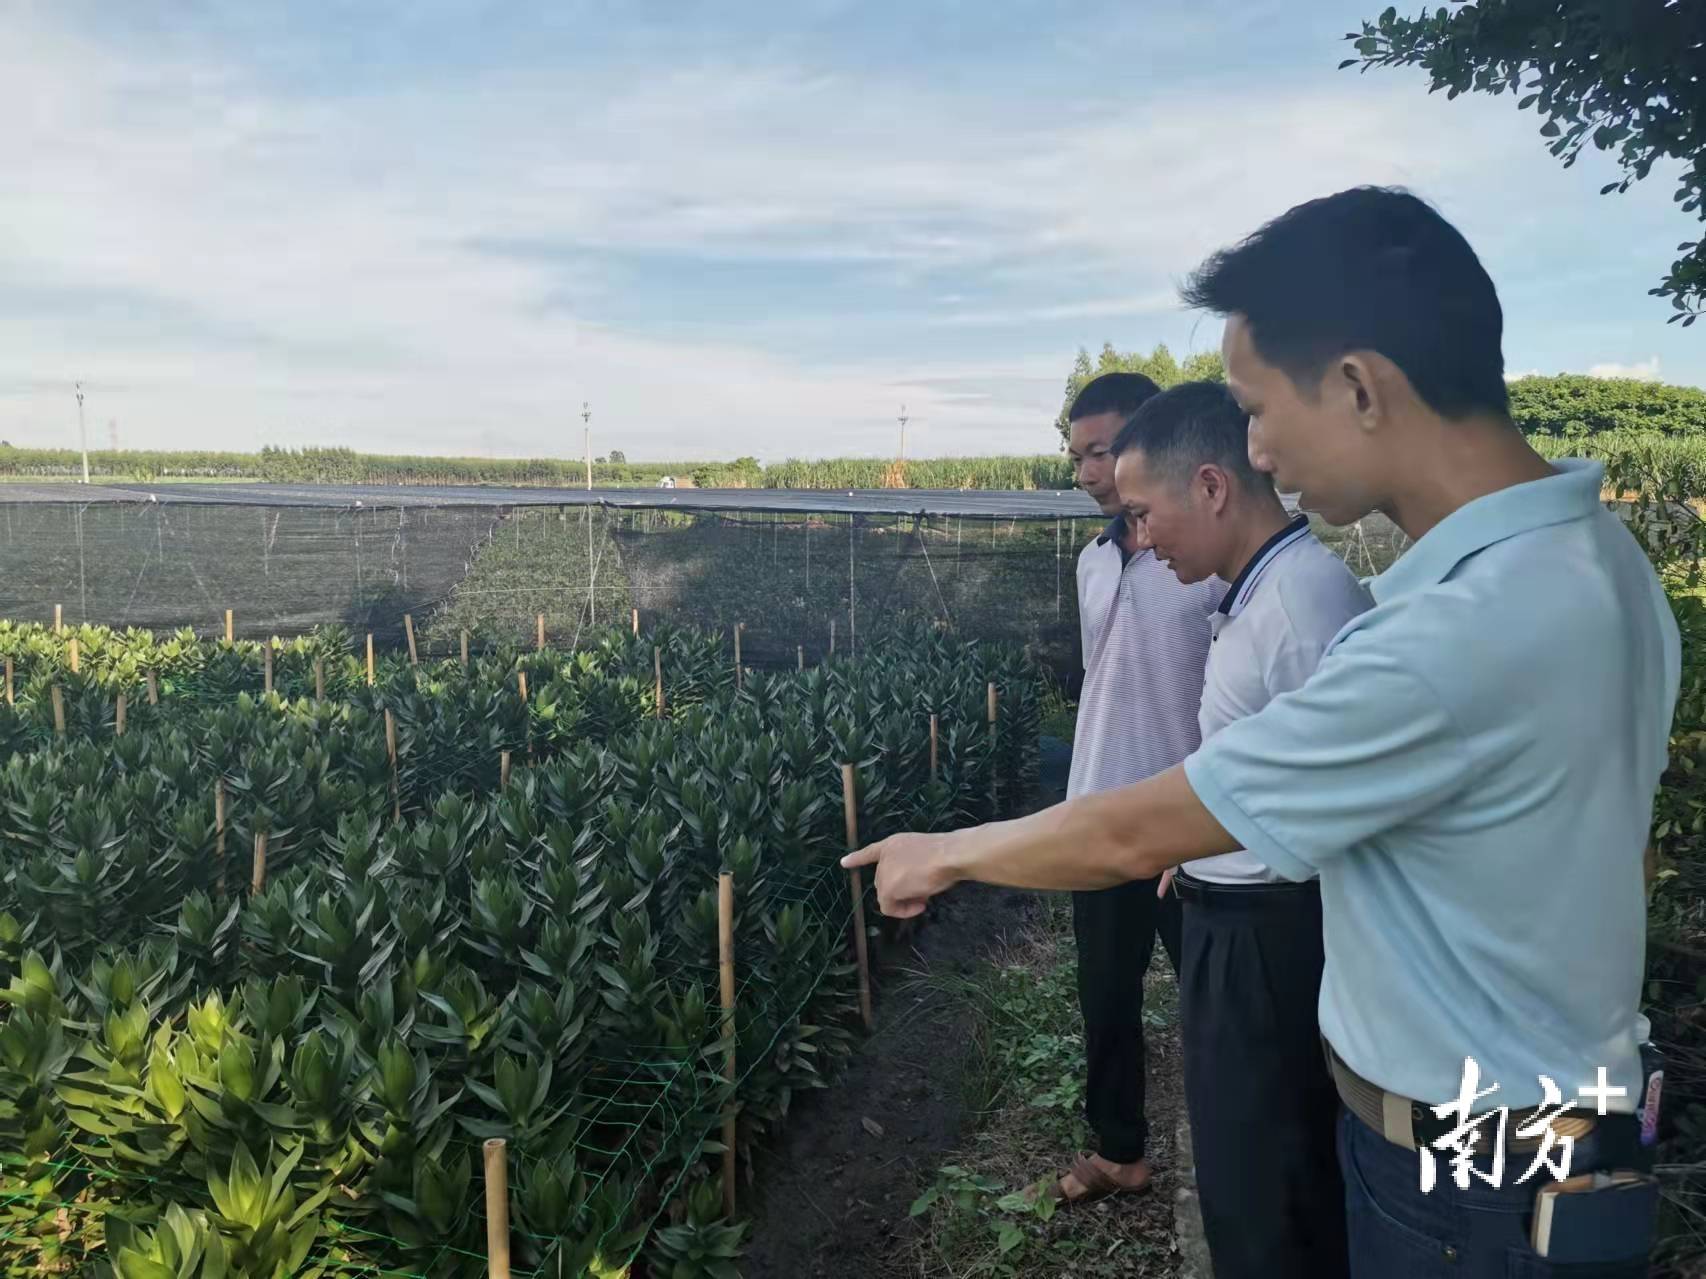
[197, 1078]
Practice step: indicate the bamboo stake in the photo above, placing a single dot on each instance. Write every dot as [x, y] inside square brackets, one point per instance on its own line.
[230, 627]
[58, 711]
[497, 1208]
[503, 769]
[465, 650]
[801, 654]
[521, 683]
[118, 716]
[539, 639]
[370, 659]
[832, 637]
[153, 689]
[219, 829]
[266, 668]
[409, 630]
[657, 679]
[994, 769]
[59, 619]
[319, 679]
[738, 626]
[391, 754]
[935, 748]
[860, 945]
[258, 881]
[636, 623]
[76, 656]
[9, 695]
[726, 964]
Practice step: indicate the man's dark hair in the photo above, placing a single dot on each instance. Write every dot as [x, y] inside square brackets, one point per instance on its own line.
[1370, 269]
[1122, 393]
[1189, 425]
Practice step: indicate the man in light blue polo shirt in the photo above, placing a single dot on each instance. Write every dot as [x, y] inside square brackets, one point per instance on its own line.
[1470, 770]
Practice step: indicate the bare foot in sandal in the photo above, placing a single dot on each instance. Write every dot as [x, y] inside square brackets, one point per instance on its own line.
[1093, 1177]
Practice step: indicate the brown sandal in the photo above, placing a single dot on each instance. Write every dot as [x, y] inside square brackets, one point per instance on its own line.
[1097, 1184]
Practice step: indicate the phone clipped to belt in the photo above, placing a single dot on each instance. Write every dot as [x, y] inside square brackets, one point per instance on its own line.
[1598, 1216]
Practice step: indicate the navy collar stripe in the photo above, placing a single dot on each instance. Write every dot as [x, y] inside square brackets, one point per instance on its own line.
[1239, 592]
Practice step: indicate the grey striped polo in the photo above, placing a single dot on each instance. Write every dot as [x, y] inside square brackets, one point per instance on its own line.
[1146, 638]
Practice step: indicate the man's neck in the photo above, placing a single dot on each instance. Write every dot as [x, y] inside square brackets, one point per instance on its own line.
[1450, 464]
[1265, 517]
[1130, 542]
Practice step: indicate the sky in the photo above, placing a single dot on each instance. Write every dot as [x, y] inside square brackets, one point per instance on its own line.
[728, 229]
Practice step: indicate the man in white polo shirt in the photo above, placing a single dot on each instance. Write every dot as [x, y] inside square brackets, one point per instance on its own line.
[1470, 770]
[1145, 640]
[1250, 953]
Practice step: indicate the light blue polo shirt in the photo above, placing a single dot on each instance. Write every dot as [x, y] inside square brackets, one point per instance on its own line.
[1471, 771]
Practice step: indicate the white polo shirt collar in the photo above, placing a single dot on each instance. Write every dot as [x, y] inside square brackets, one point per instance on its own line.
[1244, 585]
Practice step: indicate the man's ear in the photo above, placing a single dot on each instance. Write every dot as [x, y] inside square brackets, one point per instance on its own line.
[1213, 486]
[1362, 392]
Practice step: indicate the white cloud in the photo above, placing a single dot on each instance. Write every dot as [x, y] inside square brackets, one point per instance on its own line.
[1642, 371]
[227, 266]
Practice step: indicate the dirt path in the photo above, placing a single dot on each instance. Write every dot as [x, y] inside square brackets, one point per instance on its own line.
[833, 1192]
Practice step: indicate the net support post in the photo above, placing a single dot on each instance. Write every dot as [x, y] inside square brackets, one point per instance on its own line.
[370, 671]
[11, 696]
[726, 973]
[935, 747]
[219, 836]
[119, 708]
[266, 667]
[230, 627]
[58, 696]
[153, 689]
[319, 679]
[657, 680]
[861, 945]
[76, 655]
[994, 766]
[59, 619]
[258, 879]
[391, 755]
[496, 1153]
[409, 632]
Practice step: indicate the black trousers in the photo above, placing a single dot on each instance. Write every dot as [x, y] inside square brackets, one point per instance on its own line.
[1115, 929]
[1262, 1104]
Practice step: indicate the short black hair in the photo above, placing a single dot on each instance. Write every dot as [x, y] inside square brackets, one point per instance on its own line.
[1122, 393]
[1372, 269]
[1189, 425]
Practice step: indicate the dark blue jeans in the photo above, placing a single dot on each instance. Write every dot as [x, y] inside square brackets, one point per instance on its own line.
[1479, 1233]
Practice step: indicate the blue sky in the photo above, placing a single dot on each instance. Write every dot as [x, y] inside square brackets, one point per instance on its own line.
[440, 227]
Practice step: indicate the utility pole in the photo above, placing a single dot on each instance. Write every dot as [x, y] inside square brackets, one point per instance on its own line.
[82, 432]
[586, 416]
[903, 421]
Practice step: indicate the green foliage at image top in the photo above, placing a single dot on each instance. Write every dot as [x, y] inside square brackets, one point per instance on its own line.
[1160, 365]
[1623, 75]
[1574, 404]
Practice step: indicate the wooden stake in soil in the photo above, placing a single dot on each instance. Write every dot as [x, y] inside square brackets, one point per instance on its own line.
[118, 716]
[539, 638]
[230, 627]
[801, 654]
[153, 689]
[219, 835]
[832, 637]
[258, 881]
[849, 801]
[726, 965]
[503, 769]
[319, 679]
[994, 767]
[464, 650]
[58, 710]
[409, 631]
[59, 619]
[10, 699]
[935, 748]
[738, 626]
[76, 656]
[391, 754]
[266, 667]
[636, 623]
[497, 1208]
[657, 679]
[370, 659]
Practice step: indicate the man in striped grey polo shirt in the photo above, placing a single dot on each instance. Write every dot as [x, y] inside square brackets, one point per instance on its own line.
[1145, 638]
[1273, 1206]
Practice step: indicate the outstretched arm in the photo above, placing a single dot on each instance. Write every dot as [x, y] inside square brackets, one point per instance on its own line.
[1094, 841]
